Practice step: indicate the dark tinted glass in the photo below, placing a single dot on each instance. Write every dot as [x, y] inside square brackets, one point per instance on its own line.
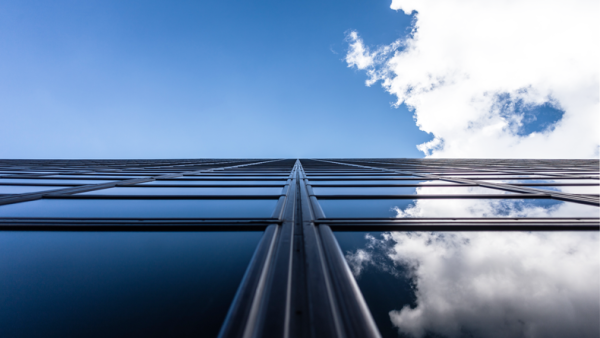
[185, 191]
[478, 284]
[23, 189]
[172, 208]
[123, 284]
[447, 207]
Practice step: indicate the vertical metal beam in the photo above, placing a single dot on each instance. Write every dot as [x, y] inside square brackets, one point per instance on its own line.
[337, 307]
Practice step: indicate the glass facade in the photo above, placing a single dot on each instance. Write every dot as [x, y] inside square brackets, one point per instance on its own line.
[299, 248]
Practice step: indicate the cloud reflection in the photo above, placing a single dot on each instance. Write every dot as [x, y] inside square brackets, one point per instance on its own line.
[492, 284]
[490, 207]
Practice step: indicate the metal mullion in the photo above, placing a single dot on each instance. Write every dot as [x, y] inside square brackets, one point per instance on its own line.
[265, 291]
[337, 306]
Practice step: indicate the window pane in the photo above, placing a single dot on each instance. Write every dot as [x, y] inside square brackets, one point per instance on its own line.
[375, 182]
[582, 189]
[108, 177]
[185, 191]
[44, 181]
[120, 284]
[139, 208]
[478, 284]
[549, 181]
[363, 177]
[23, 189]
[215, 182]
[457, 190]
[448, 207]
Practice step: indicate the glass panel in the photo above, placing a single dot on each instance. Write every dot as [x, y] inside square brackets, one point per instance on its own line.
[362, 177]
[230, 177]
[395, 182]
[457, 190]
[108, 177]
[22, 189]
[216, 182]
[43, 181]
[139, 208]
[478, 284]
[448, 207]
[549, 181]
[185, 191]
[119, 284]
[582, 189]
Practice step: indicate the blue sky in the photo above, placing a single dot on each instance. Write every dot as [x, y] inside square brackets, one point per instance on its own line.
[157, 79]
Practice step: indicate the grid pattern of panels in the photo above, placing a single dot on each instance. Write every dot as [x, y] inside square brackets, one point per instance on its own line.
[298, 283]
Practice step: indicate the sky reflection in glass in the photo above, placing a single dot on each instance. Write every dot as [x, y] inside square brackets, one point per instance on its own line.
[185, 191]
[38, 181]
[395, 182]
[478, 284]
[171, 208]
[448, 207]
[23, 189]
[457, 190]
[215, 182]
[119, 284]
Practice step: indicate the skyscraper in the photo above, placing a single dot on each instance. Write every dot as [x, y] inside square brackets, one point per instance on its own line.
[299, 248]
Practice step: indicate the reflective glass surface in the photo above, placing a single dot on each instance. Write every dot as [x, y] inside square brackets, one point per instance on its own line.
[363, 176]
[38, 181]
[478, 284]
[282, 177]
[582, 189]
[448, 207]
[456, 190]
[395, 182]
[592, 181]
[214, 182]
[108, 177]
[119, 284]
[171, 208]
[23, 189]
[185, 191]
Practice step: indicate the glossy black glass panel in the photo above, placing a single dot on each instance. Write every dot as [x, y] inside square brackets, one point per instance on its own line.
[478, 284]
[185, 191]
[23, 189]
[448, 207]
[170, 208]
[119, 284]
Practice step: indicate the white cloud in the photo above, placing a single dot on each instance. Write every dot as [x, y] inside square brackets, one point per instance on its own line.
[490, 284]
[465, 55]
